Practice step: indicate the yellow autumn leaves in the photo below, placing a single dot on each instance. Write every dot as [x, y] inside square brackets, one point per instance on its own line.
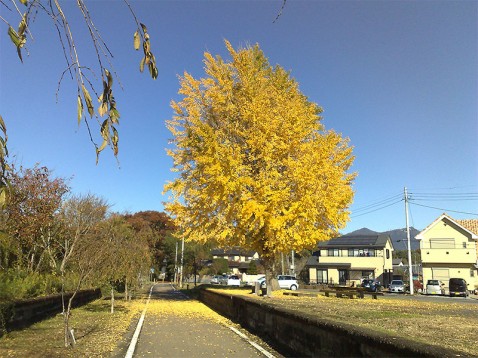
[256, 167]
[183, 309]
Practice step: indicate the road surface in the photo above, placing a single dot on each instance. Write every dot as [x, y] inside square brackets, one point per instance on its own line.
[175, 326]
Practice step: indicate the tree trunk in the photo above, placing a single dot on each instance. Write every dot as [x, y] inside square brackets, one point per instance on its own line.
[69, 340]
[40, 260]
[112, 299]
[63, 291]
[66, 327]
[270, 270]
[269, 281]
[126, 290]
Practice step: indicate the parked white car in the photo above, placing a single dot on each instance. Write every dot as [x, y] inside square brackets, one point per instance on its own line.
[233, 280]
[285, 282]
[435, 287]
[288, 282]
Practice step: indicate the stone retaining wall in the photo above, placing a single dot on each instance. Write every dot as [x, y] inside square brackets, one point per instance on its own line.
[22, 313]
[309, 336]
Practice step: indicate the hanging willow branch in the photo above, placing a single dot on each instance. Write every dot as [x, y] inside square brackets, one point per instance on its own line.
[106, 114]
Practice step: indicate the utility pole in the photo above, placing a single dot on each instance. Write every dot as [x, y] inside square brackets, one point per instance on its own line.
[182, 261]
[410, 272]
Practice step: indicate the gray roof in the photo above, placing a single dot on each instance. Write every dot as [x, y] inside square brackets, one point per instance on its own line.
[356, 241]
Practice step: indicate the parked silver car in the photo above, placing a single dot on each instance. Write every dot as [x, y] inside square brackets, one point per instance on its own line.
[397, 286]
[215, 280]
[223, 279]
[435, 287]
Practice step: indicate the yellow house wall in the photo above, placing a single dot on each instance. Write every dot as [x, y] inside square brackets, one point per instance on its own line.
[378, 263]
[458, 260]
[453, 272]
[455, 254]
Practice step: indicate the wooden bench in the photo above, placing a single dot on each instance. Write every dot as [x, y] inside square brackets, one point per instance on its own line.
[373, 294]
[351, 292]
[298, 294]
[342, 293]
[363, 292]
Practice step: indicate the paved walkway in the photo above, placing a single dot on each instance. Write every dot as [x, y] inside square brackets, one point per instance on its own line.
[168, 335]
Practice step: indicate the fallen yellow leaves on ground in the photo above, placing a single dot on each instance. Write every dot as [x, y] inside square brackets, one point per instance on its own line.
[97, 332]
[184, 309]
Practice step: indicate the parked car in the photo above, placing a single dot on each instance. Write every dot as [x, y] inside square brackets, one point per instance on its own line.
[458, 287]
[288, 282]
[262, 281]
[397, 286]
[215, 280]
[223, 279]
[233, 280]
[435, 287]
[371, 285]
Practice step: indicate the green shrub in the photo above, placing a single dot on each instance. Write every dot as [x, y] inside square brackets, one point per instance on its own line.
[18, 284]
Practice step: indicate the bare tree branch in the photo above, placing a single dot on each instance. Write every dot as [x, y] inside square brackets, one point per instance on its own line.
[280, 11]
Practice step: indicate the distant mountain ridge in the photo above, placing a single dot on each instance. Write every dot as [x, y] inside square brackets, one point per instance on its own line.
[398, 236]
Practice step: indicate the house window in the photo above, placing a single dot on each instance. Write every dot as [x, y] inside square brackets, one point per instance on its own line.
[472, 273]
[368, 274]
[388, 254]
[353, 252]
[464, 245]
[322, 276]
[333, 252]
[368, 252]
[440, 243]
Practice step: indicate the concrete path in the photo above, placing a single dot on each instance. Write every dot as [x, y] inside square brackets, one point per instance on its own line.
[167, 334]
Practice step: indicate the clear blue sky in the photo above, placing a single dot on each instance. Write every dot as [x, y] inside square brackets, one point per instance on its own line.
[400, 79]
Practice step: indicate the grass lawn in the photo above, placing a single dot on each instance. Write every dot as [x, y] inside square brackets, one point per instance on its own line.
[97, 332]
[445, 324]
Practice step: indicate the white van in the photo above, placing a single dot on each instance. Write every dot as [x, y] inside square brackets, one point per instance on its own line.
[435, 287]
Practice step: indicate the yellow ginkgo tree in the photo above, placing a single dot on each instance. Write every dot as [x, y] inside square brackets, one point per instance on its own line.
[256, 168]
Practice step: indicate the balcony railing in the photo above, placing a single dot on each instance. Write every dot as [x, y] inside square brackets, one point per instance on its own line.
[463, 246]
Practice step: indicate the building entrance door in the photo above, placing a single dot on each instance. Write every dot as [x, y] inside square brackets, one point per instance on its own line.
[343, 277]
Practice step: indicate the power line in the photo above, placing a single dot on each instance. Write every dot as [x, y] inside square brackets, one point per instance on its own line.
[380, 208]
[448, 188]
[441, 194]
[411, 215]
[441, 199]
[445, 196]
[445, 210]
[378, 203]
